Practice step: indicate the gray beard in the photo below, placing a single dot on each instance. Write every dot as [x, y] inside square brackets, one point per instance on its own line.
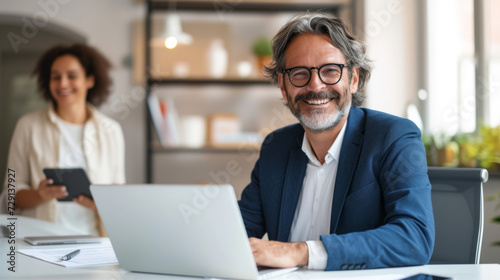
[318, 121]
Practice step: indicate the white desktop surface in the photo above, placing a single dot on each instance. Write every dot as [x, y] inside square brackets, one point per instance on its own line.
[30, 268]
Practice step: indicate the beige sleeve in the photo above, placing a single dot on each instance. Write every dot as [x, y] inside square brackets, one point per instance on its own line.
[18, 160]
[17, 165]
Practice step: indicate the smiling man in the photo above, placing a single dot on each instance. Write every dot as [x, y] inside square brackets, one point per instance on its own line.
[347, 188]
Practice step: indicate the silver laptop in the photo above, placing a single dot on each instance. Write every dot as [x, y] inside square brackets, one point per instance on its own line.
[193, 230]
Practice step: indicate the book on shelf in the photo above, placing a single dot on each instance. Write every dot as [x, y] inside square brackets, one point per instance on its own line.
[165, 120]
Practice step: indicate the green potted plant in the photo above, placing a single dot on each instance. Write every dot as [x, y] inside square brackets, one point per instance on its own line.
[467, 150]
[447, 150]
[262, 50]
[489, 149]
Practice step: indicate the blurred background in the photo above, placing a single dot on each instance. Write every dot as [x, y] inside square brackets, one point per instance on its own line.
[197, 64]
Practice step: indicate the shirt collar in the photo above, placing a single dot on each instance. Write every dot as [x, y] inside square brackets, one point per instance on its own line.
[53, 117]
[333, 152]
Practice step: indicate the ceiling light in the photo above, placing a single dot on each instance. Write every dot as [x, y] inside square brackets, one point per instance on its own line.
[172, 33]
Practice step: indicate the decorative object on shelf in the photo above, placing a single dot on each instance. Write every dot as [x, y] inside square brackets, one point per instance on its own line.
[224, 131]
[172, 33]
[263, 52]
[165, 120]
[221, 129]
[180, 69]
[217, 59]
[157, 116]
[193, 131]
[244, 69]
[172, 124]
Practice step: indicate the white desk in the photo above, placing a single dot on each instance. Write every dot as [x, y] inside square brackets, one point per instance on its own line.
[30, 268]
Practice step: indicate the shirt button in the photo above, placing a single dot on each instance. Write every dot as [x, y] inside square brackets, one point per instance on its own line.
[321, 171]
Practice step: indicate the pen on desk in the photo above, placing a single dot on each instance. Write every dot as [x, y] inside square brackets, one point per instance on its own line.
[70, 255]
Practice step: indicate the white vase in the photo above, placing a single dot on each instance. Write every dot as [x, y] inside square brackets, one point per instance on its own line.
[217, 59]
[193, 131]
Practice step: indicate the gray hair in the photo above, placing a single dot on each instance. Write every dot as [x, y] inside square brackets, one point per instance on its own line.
[341, 36]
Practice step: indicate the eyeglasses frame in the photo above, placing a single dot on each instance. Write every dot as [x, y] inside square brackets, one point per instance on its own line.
[341, 66]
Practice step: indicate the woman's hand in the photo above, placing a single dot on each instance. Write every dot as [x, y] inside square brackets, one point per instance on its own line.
[47, 192]
[85, 202]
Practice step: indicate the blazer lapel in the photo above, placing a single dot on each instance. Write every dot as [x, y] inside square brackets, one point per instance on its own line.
[296, 169]
[349, 154]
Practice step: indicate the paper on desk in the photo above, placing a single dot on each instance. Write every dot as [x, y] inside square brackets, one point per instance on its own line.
[371, 277]
[89, 256]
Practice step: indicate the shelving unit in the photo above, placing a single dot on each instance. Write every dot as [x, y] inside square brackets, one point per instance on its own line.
[219, 8]
[208, 81]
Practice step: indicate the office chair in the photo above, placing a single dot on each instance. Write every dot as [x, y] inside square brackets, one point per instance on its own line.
[457, 199]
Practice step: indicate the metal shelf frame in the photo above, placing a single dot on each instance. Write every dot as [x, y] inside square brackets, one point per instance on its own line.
[217, 6]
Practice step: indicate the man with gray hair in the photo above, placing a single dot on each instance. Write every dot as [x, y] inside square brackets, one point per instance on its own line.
[347, 188]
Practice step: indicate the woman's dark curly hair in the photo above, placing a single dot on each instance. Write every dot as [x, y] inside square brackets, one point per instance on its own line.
[94, 63]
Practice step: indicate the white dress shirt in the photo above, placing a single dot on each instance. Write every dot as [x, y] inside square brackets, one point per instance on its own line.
[71, 155]
[314, 208]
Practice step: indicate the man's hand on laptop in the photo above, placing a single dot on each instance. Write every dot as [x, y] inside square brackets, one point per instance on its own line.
[279, 254]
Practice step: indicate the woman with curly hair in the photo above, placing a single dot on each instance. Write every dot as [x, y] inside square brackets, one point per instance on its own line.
[69, 133]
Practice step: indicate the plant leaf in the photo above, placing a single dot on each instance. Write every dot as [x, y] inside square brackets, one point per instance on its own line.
[497, 243]
[494, 196]
[496, 219]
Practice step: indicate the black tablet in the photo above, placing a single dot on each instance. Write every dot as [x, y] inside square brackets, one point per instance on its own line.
[75, 179]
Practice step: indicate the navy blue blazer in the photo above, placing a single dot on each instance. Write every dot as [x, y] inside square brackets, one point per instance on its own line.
[382, 211]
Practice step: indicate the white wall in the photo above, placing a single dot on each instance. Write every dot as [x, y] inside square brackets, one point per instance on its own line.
[391, 37]
[108, 27]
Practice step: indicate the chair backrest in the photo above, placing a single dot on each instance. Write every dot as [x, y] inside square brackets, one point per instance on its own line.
[457, 199]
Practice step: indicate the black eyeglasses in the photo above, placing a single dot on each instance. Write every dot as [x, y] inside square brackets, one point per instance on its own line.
[329, 74]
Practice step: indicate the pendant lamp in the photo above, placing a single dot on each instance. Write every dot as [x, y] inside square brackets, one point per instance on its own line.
[172, 34]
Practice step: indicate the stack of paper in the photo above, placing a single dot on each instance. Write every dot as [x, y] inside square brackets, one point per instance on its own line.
[89, 256]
